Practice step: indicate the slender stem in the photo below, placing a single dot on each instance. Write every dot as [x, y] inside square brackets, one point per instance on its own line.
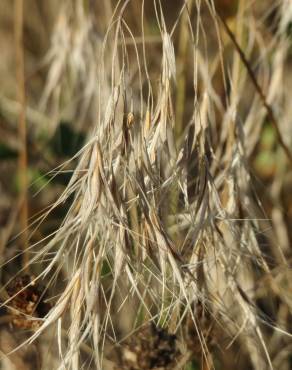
[22, 161]
[257, 87]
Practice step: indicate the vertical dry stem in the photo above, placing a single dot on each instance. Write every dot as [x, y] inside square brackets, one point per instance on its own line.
[22, 163]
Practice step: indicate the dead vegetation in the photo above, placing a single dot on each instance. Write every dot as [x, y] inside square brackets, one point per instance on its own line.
[169, 246]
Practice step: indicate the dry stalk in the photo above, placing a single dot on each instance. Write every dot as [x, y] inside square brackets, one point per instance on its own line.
[23, 181]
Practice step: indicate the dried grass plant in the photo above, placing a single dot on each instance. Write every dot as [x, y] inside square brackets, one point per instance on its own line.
[165, 224]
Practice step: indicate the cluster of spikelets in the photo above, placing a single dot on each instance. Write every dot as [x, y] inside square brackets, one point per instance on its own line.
[162, 225]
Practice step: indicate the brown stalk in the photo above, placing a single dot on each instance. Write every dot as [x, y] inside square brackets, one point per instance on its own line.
[257, 87]
[22, 160]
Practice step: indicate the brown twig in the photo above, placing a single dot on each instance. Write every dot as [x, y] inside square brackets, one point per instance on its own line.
[257, 87]
[22, 162]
